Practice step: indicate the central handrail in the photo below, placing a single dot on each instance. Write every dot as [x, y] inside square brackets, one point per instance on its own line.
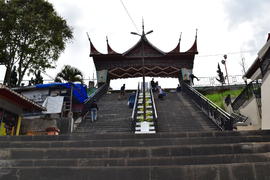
[221, 118]
[135, 103]
[155, 115]
[153, 102]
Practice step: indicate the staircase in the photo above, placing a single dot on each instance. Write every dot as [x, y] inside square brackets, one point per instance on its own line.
[204, 155]
[113, 116]
[177, 113]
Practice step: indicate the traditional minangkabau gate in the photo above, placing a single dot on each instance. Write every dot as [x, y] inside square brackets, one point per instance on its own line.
[157, 63]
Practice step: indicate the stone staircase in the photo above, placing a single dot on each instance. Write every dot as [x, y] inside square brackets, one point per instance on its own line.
[113, 116]
[177, 113]
[208, 155]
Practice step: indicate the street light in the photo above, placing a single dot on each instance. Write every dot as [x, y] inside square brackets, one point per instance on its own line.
[224, 63]
[245, 80]
[143, 36]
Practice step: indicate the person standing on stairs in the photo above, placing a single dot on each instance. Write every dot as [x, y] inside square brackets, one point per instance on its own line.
[161, 93]
[93, 110]
[192, 77]
[122, 92]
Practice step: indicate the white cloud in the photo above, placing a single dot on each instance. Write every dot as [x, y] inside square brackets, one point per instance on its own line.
[224, 26]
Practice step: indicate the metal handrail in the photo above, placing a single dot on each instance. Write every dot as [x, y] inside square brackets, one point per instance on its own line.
[246, 94]
[133, 119]
[153, 102]
[135, 103]
[222, 119]
[95, 96]
[155, 116]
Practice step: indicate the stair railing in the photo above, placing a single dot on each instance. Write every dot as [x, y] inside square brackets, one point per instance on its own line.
[134, 111]
[95, 96]
[154, 109]
[222, 119]
[251, 90]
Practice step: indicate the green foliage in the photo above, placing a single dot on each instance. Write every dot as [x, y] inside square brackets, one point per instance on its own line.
[218, 98]
[32, 36]
[13, 77]
[69, 74]
[37, 80]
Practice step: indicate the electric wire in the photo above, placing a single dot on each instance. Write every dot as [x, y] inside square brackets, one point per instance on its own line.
[230, 53]
[129, 16]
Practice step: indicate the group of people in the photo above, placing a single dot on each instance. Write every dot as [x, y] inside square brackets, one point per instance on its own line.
[156, 88]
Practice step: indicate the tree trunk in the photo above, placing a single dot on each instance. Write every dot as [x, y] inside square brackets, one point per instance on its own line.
[7, 76]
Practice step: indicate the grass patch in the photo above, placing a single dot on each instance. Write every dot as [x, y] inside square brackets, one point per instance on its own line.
[218, 98]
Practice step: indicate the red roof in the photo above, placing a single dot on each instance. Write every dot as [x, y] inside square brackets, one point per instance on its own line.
[19, 99]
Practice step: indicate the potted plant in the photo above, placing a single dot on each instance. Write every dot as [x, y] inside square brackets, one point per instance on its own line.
[52, 131]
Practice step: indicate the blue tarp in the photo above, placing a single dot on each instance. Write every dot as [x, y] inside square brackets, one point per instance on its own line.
[79, 90]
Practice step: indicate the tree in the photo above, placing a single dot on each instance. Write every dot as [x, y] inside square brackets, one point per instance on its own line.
[69, 74]
[32, 36]
[13, 77]
[38, 77]
[37, 80]
[220, 75]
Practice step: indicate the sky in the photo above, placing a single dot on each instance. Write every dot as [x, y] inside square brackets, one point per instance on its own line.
[237, 28]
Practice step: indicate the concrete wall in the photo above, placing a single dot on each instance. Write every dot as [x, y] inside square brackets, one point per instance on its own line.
[265, 92]
[38, 124]
[250, 110]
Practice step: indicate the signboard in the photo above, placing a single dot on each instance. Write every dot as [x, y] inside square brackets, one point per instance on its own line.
[186, 73]
[37, 96]
[102, 76]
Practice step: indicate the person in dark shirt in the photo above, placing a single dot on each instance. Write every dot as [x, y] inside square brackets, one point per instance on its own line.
[122, 92]
[178, 89]
[192, 76]
[93, 110]
[153, 85]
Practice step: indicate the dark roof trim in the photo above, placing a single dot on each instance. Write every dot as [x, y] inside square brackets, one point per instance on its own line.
[20, 98]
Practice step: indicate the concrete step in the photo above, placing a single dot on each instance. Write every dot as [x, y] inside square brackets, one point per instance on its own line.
[148, 161]
[132, 152]
[113, 116]
[247, 171]
[141, 140]
[179, 112]
[206, 134]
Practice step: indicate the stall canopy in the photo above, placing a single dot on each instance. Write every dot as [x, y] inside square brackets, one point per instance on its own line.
[79, 91]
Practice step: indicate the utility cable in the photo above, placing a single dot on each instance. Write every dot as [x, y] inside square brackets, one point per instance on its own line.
[129, 16]
[240, 52]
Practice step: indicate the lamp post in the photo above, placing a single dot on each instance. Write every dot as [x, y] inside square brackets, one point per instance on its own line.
[245, 80]
[143, 73]
[224, 63]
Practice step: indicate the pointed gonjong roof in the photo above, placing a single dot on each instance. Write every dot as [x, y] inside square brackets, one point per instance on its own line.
[157, 63]
[138, 46]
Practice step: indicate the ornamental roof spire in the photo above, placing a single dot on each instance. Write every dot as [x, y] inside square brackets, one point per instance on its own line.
[93, 50]
[193, 48]
[143, 34]
[109, 49]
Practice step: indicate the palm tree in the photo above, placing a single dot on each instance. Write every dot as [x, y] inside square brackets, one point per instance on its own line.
[69, 74]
